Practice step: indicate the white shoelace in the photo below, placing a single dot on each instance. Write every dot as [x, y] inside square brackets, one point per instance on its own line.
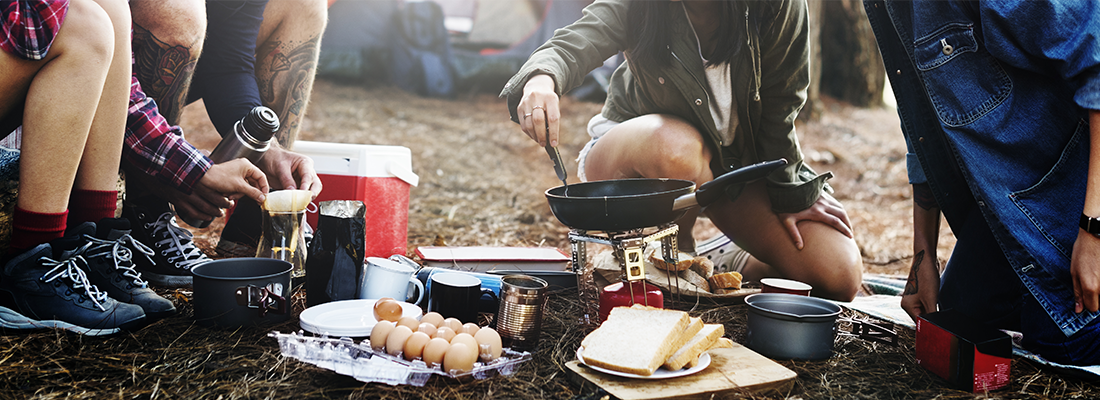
[121, 255]
[178, 240]
[70, 269]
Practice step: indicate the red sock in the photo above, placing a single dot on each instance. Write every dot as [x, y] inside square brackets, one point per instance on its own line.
[31, 229]
[91, 205]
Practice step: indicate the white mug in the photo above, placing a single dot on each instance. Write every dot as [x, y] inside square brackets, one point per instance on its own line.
[387, 278]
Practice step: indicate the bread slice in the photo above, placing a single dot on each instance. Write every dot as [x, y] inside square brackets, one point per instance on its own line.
[637, 340]
[699, 282]
[694, 347]
[684, 261]
[703, 266]
[726, 281]
[722, 342]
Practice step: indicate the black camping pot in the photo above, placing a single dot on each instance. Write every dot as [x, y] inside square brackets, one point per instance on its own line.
[237, 292]
[624, 204]
[791, 327]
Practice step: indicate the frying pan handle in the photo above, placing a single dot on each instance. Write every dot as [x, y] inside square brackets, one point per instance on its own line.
[710, 191]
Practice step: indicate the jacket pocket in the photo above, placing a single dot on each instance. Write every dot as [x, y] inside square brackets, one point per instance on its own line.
[1053, 205]
[964, 82]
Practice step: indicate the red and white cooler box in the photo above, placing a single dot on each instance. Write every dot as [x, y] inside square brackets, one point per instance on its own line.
[379, 176]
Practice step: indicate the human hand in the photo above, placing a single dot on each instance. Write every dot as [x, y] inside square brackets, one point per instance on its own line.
[218, 189]
[538, 110]
[826, 210]
[1085, 270]
[289, 170]
[922, 289]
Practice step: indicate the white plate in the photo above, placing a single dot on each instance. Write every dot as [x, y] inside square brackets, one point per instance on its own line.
[351, 318]
[660, 373]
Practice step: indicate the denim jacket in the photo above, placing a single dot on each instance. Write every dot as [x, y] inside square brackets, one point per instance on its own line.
[994, 99]
[770, 76]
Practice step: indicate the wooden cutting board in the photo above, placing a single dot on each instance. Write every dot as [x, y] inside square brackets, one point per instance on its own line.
[736, 370]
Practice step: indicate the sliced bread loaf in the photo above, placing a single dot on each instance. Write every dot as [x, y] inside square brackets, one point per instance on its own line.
[638, 340]
[695, 346]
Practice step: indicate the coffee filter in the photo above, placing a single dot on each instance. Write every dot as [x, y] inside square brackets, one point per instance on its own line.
[287, 200]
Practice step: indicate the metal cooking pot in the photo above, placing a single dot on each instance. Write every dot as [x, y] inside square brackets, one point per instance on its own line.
[617, 205]
[794, 327]
[237, 292]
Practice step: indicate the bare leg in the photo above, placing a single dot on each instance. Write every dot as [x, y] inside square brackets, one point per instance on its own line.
[100, 160]
[62, 93]
[286, 60]
[168, 38]
[829, 261]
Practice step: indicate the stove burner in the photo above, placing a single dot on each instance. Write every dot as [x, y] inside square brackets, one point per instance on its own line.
[628, 247]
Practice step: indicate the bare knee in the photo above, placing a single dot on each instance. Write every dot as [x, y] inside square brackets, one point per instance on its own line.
[840, 275]
[86, 34]
[173, 22]
[681, 151]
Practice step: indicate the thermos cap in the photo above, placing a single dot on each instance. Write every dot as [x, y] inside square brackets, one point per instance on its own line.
[261, 123]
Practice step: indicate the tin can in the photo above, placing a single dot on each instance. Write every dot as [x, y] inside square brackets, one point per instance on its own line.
[522, 305]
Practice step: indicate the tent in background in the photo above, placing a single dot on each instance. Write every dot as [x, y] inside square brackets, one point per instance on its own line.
[442, 47]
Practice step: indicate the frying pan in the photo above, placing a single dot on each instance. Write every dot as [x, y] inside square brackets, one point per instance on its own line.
[618, 205]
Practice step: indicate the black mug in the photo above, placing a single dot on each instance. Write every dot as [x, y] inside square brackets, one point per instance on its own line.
[456, 295]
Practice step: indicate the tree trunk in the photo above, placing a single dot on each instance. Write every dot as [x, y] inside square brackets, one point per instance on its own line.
[851, 67]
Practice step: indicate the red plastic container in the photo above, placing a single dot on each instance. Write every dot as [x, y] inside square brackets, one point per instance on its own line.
[969, 355]
[619, 294]
[379, 176]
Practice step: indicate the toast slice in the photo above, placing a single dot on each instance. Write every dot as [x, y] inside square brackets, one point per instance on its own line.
[722, 342]
[695, 346]
[637, 340]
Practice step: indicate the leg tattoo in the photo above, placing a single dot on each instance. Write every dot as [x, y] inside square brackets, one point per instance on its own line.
[285, 77]
[164, 72]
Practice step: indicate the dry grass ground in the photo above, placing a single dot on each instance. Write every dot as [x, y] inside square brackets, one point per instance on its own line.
[481, 184]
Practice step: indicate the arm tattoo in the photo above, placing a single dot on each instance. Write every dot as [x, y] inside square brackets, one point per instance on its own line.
[285, 77]
[164, 72]
[923, 197]
[911, 285]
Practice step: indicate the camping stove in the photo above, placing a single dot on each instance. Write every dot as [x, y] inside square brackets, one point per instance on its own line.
[628, 248]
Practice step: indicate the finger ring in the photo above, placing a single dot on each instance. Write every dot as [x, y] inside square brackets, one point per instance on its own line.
[533, 108]
[528, 115]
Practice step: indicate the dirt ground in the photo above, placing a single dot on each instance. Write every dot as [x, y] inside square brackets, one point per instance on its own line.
[482, 180]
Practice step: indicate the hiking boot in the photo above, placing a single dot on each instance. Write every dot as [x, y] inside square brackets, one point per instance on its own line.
[152, 222]
[110, 251]
[241, 234]
[38, 291]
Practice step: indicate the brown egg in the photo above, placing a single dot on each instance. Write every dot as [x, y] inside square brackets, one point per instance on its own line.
[459, 359]
[454, 324]
[379, 333]
[488, 337]
[426, 328]
[434, 351]
[410, 322]
[470, 328]
[387, 309]
[414, 347]
[467, 339]
[444, 332]
[433, 318]
[395, 343]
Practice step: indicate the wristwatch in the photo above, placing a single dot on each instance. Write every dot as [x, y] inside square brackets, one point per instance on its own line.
[1090, 224]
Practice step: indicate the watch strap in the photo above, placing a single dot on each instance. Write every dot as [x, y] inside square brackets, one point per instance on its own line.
[1090, 224]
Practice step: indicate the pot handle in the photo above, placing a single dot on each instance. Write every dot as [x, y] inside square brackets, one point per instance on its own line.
[267, 298]
[882, 332]
[710, 191]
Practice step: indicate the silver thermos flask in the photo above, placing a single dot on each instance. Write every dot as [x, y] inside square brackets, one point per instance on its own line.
[250, 139]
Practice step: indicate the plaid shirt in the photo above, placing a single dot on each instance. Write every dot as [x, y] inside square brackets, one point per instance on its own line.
[28, 27]
[158, 149]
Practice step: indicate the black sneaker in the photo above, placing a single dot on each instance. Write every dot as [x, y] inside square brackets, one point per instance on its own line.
[110, 252]
[174, 253]
[37, 291]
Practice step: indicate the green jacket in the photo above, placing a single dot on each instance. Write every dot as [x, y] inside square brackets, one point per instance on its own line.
[770, 84]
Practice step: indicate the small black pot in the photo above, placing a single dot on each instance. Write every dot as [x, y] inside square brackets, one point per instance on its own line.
[237, 292]
[792, 327]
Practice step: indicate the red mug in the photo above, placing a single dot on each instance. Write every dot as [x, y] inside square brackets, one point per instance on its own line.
[777, 285]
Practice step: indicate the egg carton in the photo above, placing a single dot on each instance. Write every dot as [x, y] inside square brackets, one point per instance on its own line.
[358, 360]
